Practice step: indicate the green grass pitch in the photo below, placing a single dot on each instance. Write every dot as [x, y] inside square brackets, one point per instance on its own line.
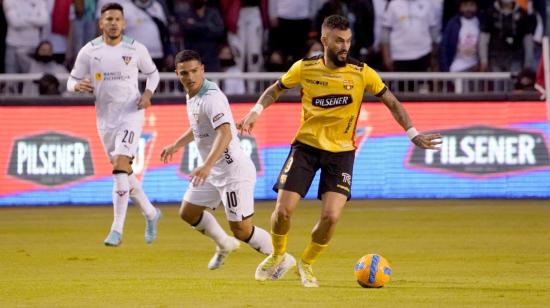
[461, 253]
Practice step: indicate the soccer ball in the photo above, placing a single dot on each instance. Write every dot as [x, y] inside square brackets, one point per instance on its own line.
[372, 271]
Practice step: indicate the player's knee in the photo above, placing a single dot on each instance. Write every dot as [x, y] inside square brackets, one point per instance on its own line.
[329, 218]
[282, 214]
[186, 216]
[241, 232]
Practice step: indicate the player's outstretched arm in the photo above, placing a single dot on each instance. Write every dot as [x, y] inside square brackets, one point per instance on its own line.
[429, 141]
[223, 137]
[169, 150]
[267, 98]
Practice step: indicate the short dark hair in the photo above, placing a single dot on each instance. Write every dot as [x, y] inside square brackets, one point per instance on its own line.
[336, 22]
[187, 55]
[112, 6]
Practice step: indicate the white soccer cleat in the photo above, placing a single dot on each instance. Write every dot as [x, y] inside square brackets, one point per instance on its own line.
[273, 267]
[305, 272]
[218, 259]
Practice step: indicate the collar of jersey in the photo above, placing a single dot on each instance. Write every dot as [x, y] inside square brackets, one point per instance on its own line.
[206, 85]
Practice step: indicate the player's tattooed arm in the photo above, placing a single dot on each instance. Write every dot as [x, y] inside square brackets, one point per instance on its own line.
[428, 141]
[270, 95]
[169, 150]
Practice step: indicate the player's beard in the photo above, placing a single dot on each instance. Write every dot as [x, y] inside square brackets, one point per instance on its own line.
[333, 57]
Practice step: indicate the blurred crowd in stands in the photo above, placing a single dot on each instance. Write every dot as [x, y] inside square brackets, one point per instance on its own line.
[44, 36]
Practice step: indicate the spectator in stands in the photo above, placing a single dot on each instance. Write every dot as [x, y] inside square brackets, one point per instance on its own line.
[25, 19]
[57, 31]
[203, 31]
[458, 49]
[3, 32]
[230, 86]
[314, 48]
[409, 35]
[146, 22]
[525, 81]
[48, 85]
[506, 41]
[290, 26]
[276, 62]
[83, 27]
[245, 21]
[374, 58]
[42, 61]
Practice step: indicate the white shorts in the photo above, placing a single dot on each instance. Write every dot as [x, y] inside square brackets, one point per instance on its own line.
[123, 140]
[237, 198]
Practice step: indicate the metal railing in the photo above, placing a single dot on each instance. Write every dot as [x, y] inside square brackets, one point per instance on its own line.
[12, 85]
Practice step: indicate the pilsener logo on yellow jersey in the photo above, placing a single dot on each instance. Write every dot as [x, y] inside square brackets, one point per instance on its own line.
[329, 101]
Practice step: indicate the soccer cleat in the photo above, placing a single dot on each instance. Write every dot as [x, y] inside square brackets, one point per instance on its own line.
[113, 239]
[306, 275]
[151, 227]
[273, 267]
[218, 259]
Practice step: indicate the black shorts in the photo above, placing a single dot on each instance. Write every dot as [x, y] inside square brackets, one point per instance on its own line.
[302, 163]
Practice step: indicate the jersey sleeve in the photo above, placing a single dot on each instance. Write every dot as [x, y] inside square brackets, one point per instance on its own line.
[217, 110]
[373, 82]
[145, 63]
[81, 66]
[292, 77]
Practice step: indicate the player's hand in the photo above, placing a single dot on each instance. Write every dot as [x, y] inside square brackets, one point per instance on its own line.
[144, 102]
[167, 152]
[428, 142]
[84, 85]
[246, 124]
[199, 175]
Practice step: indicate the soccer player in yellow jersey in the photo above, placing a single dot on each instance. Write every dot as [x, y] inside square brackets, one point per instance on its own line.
[332, 86]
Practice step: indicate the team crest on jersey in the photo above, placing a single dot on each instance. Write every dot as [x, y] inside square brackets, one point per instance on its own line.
[348, 84]
[126, 59]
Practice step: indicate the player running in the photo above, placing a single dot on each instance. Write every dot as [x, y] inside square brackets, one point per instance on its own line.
[113, 61]
[227, 174]
[333, 86]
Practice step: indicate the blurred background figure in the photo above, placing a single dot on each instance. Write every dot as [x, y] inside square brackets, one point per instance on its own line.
[409, 35]
[83, 27]
[57, 31]
[314, 48]
[290, 22]
[276, 62]
[26, 20]
[245, 21]
[42, 61]
[48, 85]
[459, 43]
[203, 30]
[506, 41]
[230, 86]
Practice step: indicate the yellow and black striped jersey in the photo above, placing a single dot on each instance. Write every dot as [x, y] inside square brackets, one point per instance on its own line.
[331, 100]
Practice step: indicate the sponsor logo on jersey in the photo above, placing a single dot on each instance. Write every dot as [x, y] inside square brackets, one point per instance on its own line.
[217, 117]
[126, 59]
[316, 82]
[485, 150]
[330, 101]
[348, 84]
[50, 159]
[98, 76]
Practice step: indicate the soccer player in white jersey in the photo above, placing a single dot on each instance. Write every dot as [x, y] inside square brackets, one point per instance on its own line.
[113, 62]
[227, 175]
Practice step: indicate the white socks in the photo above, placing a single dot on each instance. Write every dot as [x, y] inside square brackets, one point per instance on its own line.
[260, 240]
[139, 198]
[209, 226]
[121, 187]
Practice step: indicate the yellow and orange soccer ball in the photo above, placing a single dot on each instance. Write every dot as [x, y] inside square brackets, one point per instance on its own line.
[372, 271]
